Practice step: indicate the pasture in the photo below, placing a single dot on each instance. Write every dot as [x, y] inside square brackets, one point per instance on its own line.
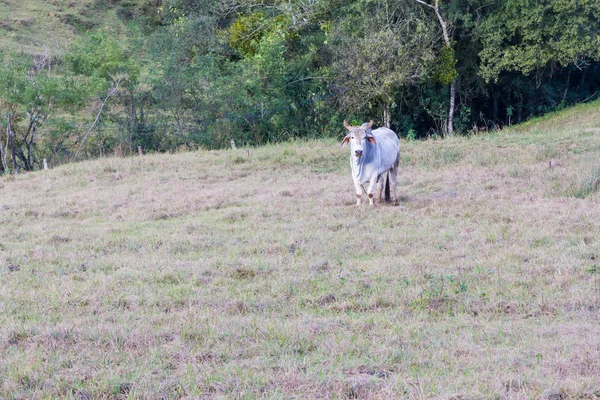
[252, 274]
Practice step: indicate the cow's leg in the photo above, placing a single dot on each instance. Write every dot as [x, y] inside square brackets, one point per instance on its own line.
[394, 179]
[371, 190]
[380, 187]
[358, 191]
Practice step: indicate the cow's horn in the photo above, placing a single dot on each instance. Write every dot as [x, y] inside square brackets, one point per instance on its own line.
[369, 125]
[347, 125]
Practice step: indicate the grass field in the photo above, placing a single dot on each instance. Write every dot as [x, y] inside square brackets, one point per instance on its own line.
[251, 274]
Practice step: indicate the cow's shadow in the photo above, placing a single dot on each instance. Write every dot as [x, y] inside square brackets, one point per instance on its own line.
[412, 199]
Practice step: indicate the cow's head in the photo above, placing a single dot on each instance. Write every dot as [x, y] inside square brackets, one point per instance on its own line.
[358, 136]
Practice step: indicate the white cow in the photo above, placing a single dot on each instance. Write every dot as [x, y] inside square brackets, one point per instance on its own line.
[372, 153]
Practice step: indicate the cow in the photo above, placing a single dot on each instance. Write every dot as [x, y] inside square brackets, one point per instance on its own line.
[372, 153]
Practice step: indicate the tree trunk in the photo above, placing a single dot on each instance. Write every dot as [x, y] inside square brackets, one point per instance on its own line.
[453, 84]
[567, 86]
[11, 135]
[12, 149]
[29, 143]
[495, 115]
[387, 117]
[4, 151]
[436, 8]
[131, 123]
[451, 111]
[581, 83]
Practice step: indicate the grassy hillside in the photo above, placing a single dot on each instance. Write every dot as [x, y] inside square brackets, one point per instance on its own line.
[252, 274]
[36, 27]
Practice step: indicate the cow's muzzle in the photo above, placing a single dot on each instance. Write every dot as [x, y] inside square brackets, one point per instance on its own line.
[358, 153]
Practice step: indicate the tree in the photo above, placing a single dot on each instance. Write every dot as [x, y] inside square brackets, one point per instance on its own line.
[30, 92]
[245, 70]
[110, 72]
[446, 60]
[381, 47]
[533, 37]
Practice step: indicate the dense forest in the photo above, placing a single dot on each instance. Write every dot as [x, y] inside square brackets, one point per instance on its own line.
[186, 74]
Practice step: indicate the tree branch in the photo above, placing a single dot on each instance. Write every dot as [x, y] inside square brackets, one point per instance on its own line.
[97, 119]
[425, 4]
[303, 79]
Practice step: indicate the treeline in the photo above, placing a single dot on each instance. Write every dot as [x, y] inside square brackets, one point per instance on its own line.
[191, 74]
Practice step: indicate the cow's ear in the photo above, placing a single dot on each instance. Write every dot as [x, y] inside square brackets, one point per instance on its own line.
[371, 139]
[346, 140]
[347, 125]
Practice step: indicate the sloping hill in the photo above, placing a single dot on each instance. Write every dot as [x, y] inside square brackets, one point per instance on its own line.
[250, 273]
[36, 27]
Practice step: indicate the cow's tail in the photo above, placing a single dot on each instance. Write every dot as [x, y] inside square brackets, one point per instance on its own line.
[388, 198]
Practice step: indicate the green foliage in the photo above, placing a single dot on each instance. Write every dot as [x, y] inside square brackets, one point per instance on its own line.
[191, 74]
[526, 36]
[442, 69]
[23, 84]
[246, 32]
[462, 122]
[375, 58]
[256, 87]
[99, 56]
[31, 94]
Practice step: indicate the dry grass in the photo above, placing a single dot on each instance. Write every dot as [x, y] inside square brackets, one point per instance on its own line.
[218, 275]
